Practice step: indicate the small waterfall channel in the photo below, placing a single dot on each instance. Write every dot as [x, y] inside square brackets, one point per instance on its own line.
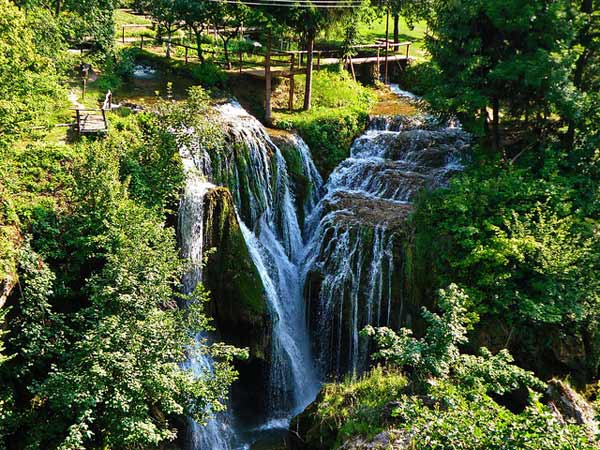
[330, 258]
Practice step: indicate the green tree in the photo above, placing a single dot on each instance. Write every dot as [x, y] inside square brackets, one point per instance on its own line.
[197, 16]
[228, 18]
[167, 15]
[505, 56]
[29, 89]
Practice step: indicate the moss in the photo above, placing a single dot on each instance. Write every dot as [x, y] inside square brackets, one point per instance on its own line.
[231, 274]
[351, 407]
[328, 132]
[302, 187]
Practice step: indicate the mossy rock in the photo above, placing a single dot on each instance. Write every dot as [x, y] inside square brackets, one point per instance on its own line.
[301, 185]
[238, 303]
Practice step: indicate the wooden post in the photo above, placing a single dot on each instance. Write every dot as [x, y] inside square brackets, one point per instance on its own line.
[292, 84]
[78, 120]
[123, 34]
[407, 48]
[310, 45]
[241, 59]
[268, 111]
[377, 72]
[387, 43]
[352, 67]
[142, 42]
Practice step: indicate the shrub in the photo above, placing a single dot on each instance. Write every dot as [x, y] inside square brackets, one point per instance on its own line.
[339, 115]
[209, 75]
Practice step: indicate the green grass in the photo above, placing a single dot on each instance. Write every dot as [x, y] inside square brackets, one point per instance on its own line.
[126, 18]
[340, 107]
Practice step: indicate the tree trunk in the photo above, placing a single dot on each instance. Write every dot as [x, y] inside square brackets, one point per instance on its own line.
[396, 28]
[226, 50]
[57, 7]
[496, 123]
[168, 52]
[268, 79]
[310, 44]
[198, 34]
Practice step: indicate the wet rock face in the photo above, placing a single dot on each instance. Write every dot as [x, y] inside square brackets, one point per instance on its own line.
[304, 177]
[237, 304]
[361, 270]
[253, 243]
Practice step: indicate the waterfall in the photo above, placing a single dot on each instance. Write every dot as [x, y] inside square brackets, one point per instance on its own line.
[329, 258]
[276, 247]
[216, 434]
[254, 170]
[356, 268]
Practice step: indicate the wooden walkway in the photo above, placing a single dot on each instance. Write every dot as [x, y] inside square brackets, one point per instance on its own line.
[91, 121]
[286, 72]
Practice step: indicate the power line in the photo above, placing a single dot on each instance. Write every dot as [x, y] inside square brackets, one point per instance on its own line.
[327, 4]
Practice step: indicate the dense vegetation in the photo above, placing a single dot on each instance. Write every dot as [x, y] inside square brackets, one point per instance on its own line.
[520, 225]
[429, 395]
[95, 334]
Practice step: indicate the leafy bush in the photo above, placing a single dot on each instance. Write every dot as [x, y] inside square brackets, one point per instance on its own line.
[95, 330]
[453, 405]
[450, 416]
[29, 81]
[209, 75]
[521, 248]
[340, 114]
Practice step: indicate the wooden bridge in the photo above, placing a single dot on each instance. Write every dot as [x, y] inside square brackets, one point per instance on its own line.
[93, 120]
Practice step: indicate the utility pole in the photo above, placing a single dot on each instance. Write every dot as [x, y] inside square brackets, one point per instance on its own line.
[268, 112]
[387, 42]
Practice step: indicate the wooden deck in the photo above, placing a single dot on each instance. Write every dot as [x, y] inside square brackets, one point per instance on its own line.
[286, 72]
[91, 121]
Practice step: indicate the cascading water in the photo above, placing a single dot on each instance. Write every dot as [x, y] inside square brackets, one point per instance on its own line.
[276, 247]
[335, 261]
[254, 170]
[216, 433]
[356, 267]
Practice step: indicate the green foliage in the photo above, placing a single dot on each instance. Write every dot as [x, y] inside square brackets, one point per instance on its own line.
[29, 90]
[508, 56]
[339, 115]
[437, 352]
[466, 420]
[522, 247]
[96, 332]
[209, 75]
[493, 373]
[452, 415]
